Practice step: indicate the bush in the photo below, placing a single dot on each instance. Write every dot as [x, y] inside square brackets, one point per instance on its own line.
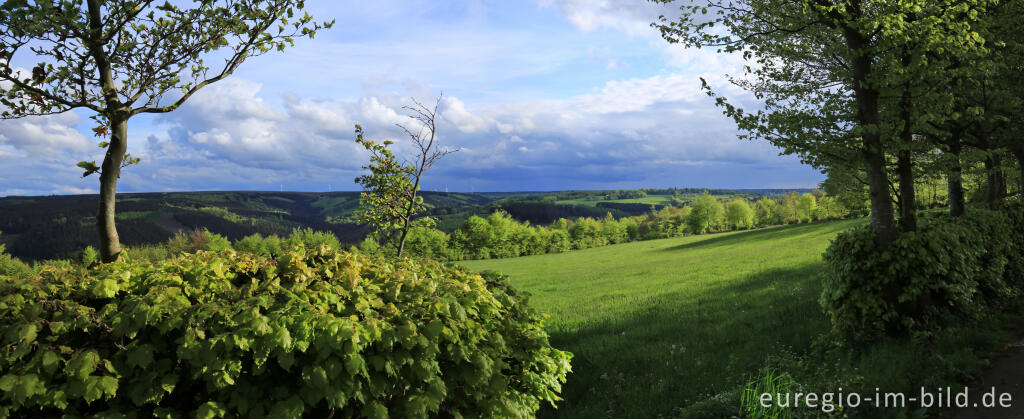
[314, 239]
[427, 242]
[88, 256]
[256, 243]
[10, 265]
[951, 267]
[236, 334]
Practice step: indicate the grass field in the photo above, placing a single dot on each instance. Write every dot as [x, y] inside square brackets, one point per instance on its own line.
[657, 326]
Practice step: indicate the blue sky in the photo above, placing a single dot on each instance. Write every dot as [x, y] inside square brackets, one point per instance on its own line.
[538, 95]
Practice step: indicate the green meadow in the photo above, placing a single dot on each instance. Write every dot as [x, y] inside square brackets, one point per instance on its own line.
[670, 327]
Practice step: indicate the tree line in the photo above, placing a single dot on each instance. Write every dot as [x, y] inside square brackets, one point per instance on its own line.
[501, 236]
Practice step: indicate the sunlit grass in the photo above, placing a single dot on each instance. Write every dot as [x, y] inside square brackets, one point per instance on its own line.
[660, 326]
[657, 325]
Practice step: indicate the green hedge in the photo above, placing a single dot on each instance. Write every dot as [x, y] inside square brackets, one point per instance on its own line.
[313, 333]
[952, 268]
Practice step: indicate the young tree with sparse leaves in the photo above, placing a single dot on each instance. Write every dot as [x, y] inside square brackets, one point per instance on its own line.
[390, 199]
[121, 58]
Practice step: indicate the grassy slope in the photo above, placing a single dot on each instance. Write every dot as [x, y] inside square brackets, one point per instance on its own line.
[658, 325]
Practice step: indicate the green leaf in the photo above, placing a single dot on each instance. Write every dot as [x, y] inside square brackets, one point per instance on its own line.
[51, 361]
[82, 364]
[27, 333]
[141, 356]
[211, 410]
[105, 288]
[7, 382]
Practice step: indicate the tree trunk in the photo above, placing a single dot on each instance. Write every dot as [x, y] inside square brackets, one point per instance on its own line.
[883, 222]
[908, 204]
[409, 213]
[117, 116]
[995, 184]
[110, 245]
[955, 179]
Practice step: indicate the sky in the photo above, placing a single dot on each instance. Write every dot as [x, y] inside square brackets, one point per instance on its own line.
[537, 95]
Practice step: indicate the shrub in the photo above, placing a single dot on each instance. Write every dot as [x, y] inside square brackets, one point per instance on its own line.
[88, 256]
[427, 242]
[950, 267]
[314, 239]
[256, 243]
[314, 333]
[152, 253]
[10, 265]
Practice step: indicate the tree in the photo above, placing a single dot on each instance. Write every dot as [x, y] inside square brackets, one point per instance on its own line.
[706, 214]
[738, 214]
[390, 200]
[789, 208]
[767, 212]
[831, 74]
[806, 207]
[121, 58]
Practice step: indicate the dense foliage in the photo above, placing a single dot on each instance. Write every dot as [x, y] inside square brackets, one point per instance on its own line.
[952, 267]
[314, 332]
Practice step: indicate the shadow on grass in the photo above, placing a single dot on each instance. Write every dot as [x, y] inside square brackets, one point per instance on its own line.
[674, 349]
[765, 234]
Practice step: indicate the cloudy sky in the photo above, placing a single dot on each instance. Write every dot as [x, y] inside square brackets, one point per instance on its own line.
[538, 95]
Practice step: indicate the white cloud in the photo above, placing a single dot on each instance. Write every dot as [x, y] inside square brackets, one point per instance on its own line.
[39, 136]
[631, 16]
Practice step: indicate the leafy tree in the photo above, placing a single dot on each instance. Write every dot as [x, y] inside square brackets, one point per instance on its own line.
[838, 78]
[391, 201]
[706, 214]
[806, 207]
[121, 58]
[789, 208]
[738, 214]
[767, 212]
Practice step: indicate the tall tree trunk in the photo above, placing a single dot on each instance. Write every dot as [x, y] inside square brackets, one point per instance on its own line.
[995, 184]
[908, 204]
[117, 116]
[883, 223]
[955, 178]
[110, 244]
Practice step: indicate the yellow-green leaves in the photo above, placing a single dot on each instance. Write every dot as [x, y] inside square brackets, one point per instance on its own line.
[233, 334]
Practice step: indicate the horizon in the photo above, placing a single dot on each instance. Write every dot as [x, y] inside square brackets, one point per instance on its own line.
[421, 191]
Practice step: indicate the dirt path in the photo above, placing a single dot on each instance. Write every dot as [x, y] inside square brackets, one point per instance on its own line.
[1006, 375]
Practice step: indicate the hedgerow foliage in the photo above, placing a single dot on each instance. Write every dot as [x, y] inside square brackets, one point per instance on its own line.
[236, 334]
[950, 268]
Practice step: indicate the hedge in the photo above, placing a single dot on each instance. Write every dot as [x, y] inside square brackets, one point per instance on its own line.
[313, 333]
[952, 268]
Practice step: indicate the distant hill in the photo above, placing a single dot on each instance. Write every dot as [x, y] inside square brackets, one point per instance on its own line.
[43, 227]
[47, 227]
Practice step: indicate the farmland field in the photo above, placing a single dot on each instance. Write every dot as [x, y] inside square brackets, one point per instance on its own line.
[657, 326]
